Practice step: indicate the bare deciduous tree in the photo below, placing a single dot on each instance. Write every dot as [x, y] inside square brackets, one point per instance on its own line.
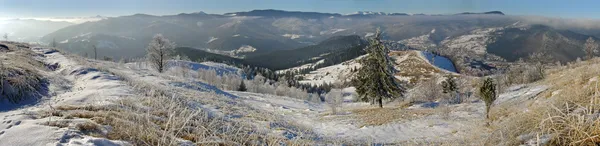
[159, 52]
[53, 43]
[539, 59]
[95, 52]
[5, 36]
[590, 48]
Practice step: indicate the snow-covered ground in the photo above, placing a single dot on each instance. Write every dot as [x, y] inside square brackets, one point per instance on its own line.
[461, 121]
[71, 84]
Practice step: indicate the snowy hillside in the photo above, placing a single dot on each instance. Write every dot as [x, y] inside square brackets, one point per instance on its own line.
[476, 41]
[305, 66]
[421, 42]
[331, 74]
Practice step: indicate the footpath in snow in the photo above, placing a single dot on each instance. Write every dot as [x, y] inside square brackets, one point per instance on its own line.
[70, 84]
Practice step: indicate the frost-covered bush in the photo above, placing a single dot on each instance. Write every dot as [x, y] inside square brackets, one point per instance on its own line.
[523, 74]
[259, 84]
[335, 99]
[425, 91]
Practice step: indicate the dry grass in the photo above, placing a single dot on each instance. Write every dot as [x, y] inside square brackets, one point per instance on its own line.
[566, 114]
[414, 66]
[20, 78]
[161, 121]
[58, 123]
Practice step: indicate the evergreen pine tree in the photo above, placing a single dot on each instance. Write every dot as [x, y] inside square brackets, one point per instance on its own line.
[242, 86]
[449, 87]
[488, 94]
[375, 80]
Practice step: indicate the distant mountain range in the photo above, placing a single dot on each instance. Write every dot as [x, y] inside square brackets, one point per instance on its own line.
[482, 37]
[253, 32]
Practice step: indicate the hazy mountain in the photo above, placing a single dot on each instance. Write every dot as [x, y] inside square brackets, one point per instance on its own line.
[29, 30]
[328, 52]
[511, 43]
[490, 12]
[270, 13]
[514, 43]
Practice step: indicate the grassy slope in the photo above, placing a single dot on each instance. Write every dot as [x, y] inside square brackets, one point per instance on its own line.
[564, 114]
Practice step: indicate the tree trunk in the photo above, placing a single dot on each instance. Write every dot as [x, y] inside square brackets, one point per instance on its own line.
[380, 100]
[487, 111]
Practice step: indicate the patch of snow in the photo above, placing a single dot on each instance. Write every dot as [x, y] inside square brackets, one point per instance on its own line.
[244, 49]
[292, 36]
[65, 41]
[126, 37]
[212, 39]
[369, 34]
[236, 35]
[83, 35]
[520, 93]
[331, 31]
[298, 68]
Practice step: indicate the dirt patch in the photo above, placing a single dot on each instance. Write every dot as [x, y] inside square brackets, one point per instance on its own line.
[411, 65]
[381, 116]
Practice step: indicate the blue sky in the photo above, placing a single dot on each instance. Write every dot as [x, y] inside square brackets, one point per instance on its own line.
[78, 8]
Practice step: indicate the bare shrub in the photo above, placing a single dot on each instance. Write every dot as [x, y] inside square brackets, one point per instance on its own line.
[524, 73]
